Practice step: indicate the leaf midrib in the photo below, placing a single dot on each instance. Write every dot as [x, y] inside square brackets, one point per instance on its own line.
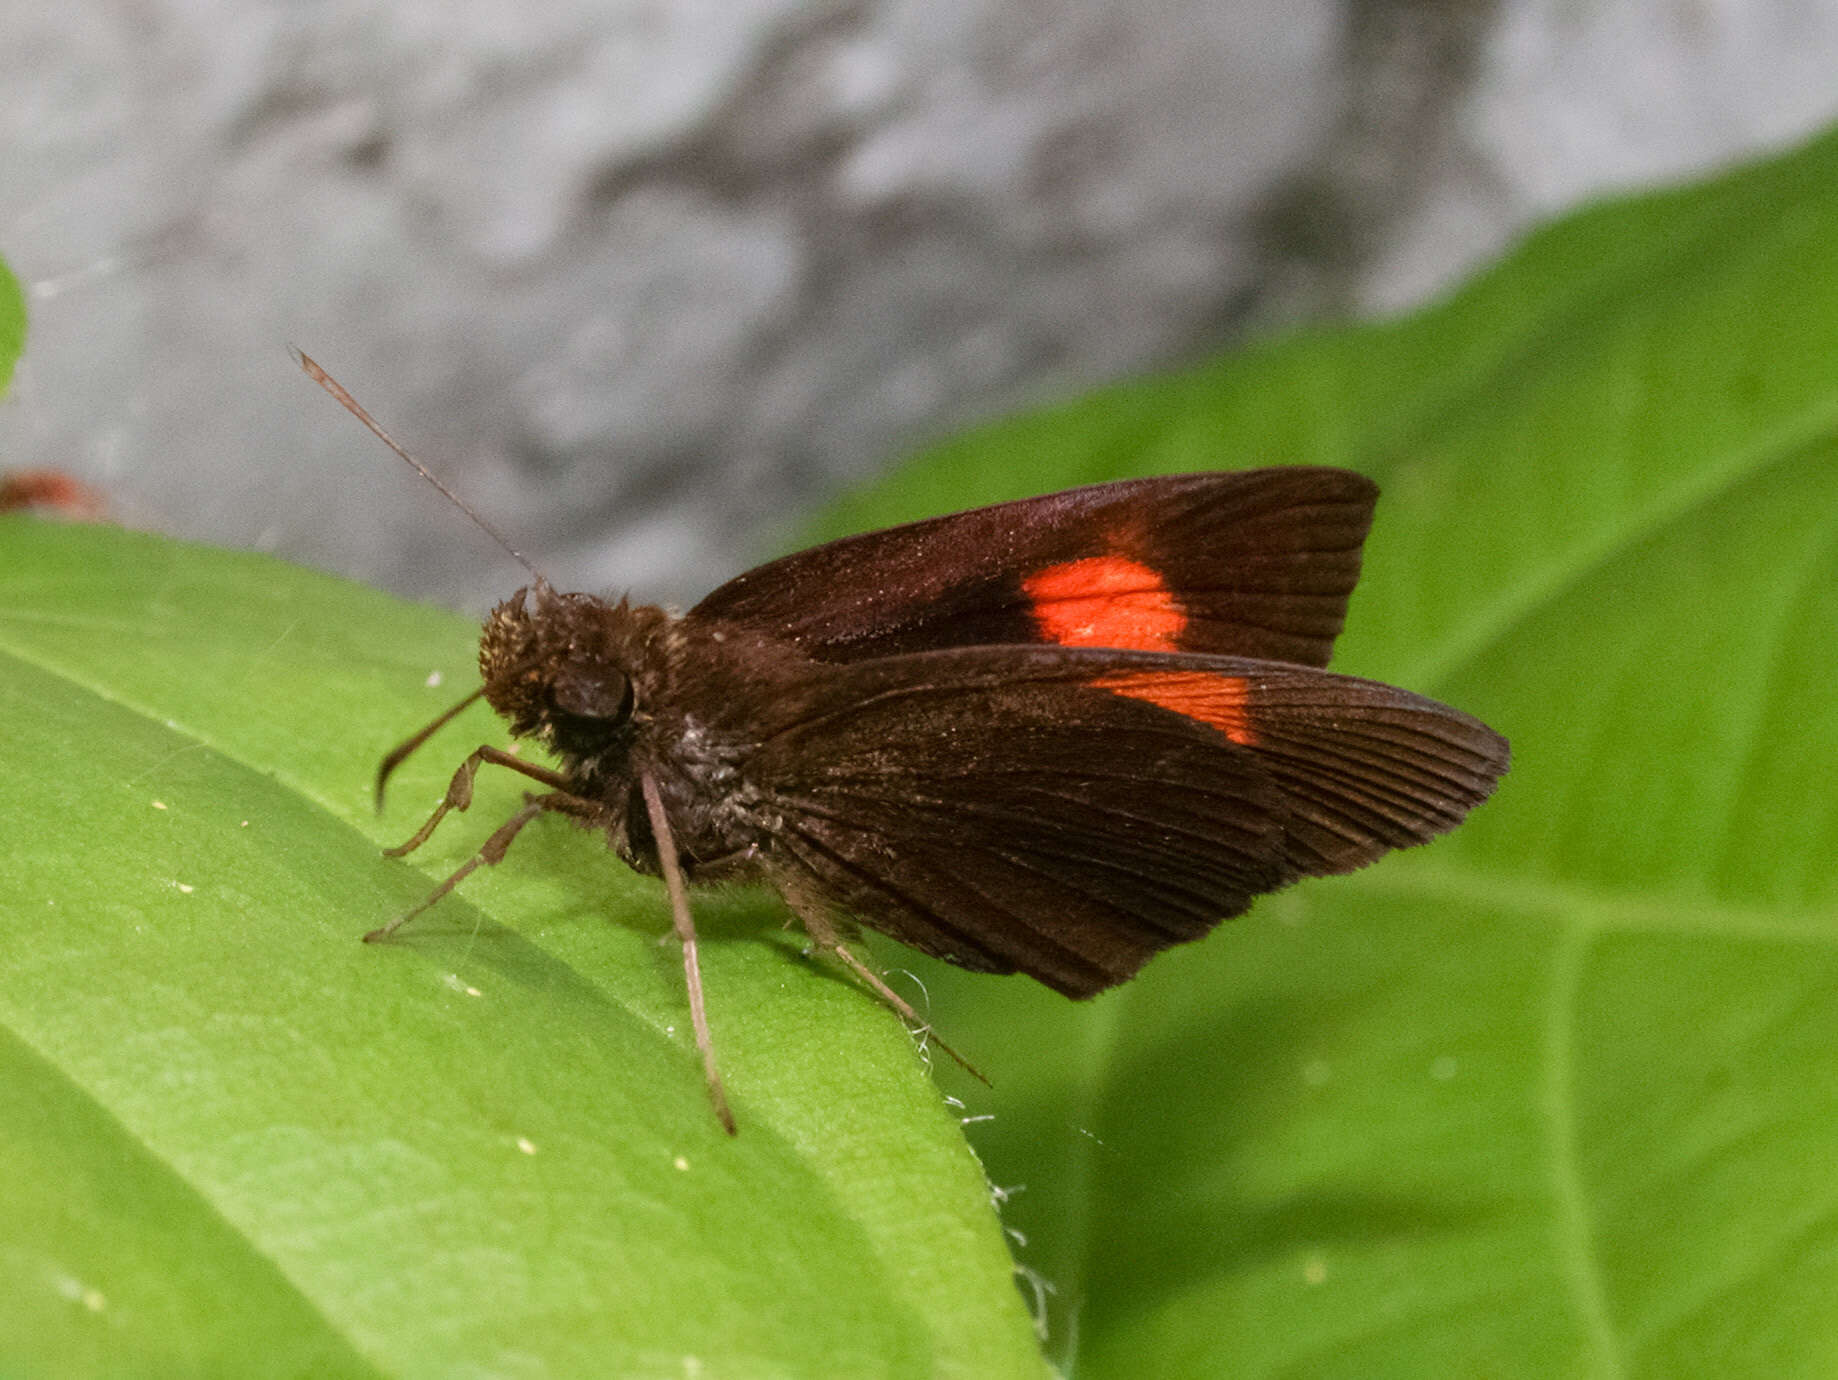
[1529, 595]
[1573, 1224]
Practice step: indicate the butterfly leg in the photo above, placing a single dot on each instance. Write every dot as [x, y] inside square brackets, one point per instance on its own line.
[492, 851]
[459, 791]
[826, 935]
[686, 932]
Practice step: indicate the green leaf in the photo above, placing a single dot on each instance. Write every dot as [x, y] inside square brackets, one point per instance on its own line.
[1557, 1094]
[12, 324]
[235, 1141]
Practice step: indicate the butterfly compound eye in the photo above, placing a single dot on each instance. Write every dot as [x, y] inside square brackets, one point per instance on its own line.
[599, 694]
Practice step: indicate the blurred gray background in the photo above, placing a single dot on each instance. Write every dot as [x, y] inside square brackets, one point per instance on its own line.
[646, 278]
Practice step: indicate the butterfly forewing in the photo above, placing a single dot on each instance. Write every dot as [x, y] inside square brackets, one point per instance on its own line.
[1257, 563]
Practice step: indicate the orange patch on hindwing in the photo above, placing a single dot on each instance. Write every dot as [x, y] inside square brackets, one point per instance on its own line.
[1105, 601]
[1221, 702]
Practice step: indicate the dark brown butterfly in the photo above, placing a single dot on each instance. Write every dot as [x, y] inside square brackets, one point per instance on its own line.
[1051, 737]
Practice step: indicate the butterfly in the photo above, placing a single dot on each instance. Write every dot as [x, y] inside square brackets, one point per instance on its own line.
[1051, 737]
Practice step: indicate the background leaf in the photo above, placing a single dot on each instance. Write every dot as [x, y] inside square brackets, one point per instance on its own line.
[233, 1140]
[1556, 1095]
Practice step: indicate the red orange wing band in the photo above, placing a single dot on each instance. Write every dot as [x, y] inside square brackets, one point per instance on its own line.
[1224, 702]
[1113, 601]
[1105, 601]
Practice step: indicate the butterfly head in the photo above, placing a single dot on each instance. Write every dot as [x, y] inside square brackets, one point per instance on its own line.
[559, 668]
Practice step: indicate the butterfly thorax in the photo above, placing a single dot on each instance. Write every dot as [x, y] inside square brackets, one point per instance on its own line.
[601, 685]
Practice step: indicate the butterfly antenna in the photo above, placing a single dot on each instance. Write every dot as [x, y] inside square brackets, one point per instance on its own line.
[356, 409]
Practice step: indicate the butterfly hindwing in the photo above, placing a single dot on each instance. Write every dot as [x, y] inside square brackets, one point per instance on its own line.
[1253, 563]
[1067, 813]
[974, 823]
